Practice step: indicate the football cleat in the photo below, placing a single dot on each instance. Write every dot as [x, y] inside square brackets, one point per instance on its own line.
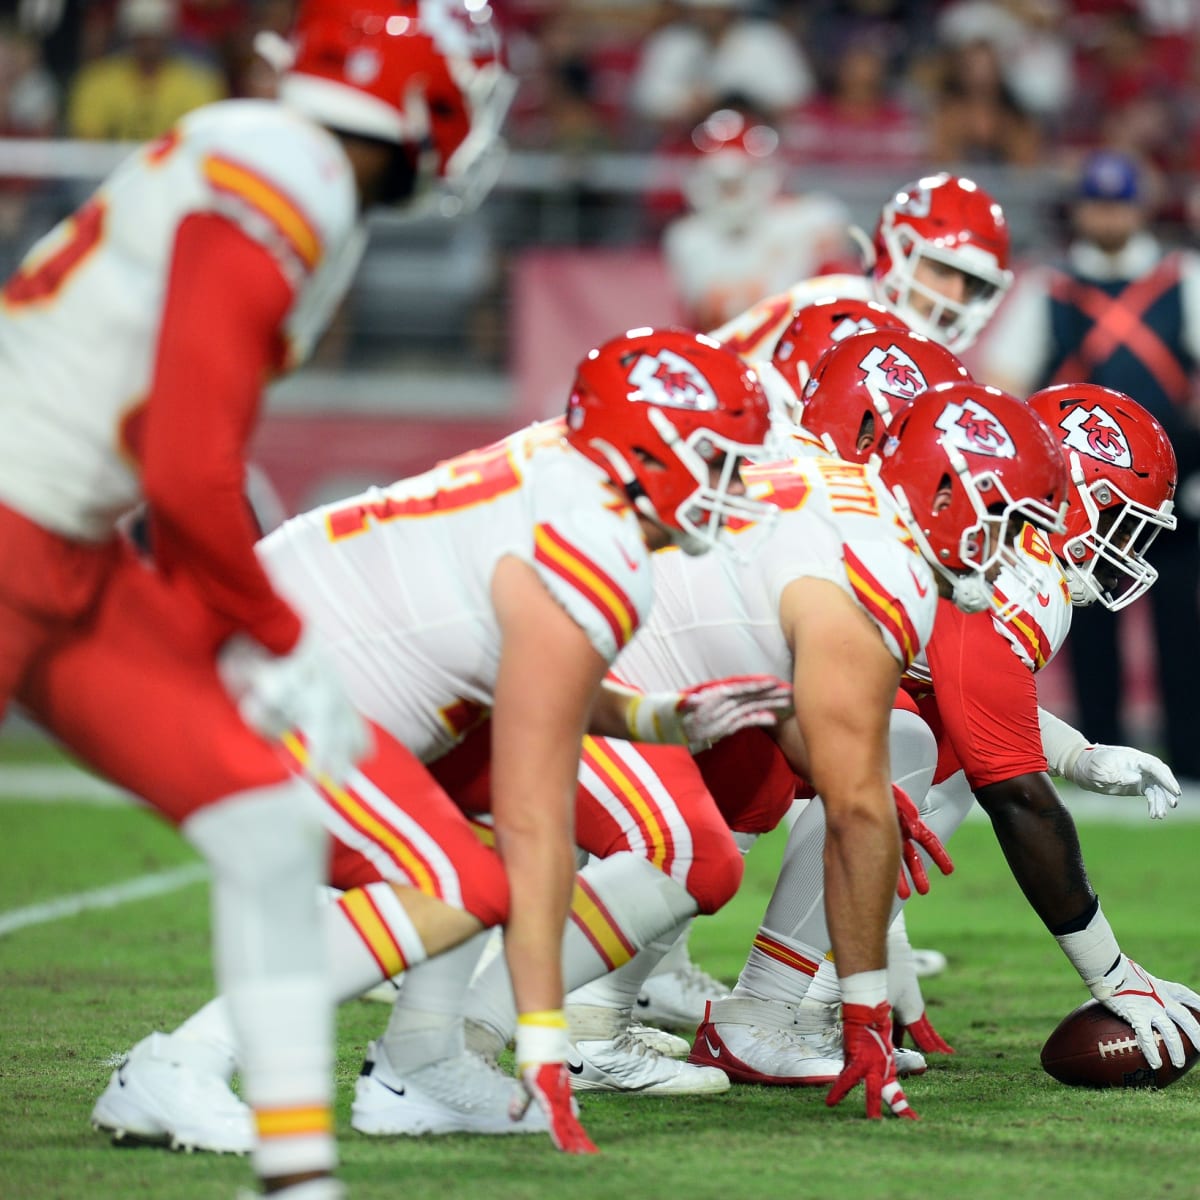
[626, 1064]
[462, 1094]
[325, 1188]
[171, 1092]
[675, 999]
[660, 1041]
[928, 963]
[762, 1041]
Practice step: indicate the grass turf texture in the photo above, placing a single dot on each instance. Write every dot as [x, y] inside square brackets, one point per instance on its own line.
[78, 990]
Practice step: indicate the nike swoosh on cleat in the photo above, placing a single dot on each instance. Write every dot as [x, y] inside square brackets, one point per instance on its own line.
[575, 1070]
[715, 1051]
[395, 1091]
[643, 1002]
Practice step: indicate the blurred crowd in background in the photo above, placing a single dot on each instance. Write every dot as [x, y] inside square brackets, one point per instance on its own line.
[901, 83]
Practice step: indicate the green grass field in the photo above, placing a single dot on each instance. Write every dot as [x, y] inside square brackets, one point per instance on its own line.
[78, 989]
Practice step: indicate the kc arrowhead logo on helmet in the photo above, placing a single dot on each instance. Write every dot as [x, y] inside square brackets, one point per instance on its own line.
[971, 426]
[668, 379]
[889, 369]
[1096, 433]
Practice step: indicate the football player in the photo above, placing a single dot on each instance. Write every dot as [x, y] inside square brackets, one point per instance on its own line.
[938, 263]
[502, 582]
[134, 341]
[975, 690]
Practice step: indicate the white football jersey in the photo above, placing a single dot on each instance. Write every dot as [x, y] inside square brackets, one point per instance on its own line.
[79, 320]
[753, 334]
[397, 581]
[716, 616]
[1037, 632]
[719, 270]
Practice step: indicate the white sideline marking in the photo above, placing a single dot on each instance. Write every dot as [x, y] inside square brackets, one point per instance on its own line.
[53, 784]
[105, 897]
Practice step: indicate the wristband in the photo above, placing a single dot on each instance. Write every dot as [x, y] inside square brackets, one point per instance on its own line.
[1061, 744]
[1093, 950]
[654, 718]
[868, 988]
[541, 1038]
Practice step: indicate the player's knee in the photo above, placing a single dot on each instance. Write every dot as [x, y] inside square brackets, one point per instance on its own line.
[488, 895]
[716, 875]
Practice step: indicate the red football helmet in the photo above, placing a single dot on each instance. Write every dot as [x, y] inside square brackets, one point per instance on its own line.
[657, 409]
[736, 171]
[947, 221]
[860, 382]
[1123, 475]
[423, 73]
[816, 327]
[969, 465]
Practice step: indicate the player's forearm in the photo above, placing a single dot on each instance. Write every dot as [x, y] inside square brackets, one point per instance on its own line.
[862, 862]
[541, 874]
[1038, 836]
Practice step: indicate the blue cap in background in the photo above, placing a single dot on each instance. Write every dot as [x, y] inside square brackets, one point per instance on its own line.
[1109, 175]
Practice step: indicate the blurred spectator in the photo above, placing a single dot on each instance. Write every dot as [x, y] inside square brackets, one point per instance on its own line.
[138, 91]
[1036, 58]
[28, 94]
[1124, 313]
[743, 240]
[707, 49]
[976, 116]
[857, 117]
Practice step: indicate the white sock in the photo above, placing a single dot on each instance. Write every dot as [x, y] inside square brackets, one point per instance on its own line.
[267, 851]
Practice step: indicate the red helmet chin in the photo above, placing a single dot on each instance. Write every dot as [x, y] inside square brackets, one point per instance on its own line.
[663, 411]
[860, 383]
[1122, 487]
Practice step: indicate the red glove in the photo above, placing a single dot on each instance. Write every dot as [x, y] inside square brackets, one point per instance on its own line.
[550, 1085]
[913, 833]
[924, 1036]
[869, 1059]
[541, 1048]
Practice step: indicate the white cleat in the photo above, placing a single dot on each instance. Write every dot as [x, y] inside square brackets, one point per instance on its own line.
[463, 1094]
[767, 1042]
[310, 1189]
[675, 999]
[928, 962]
[171, 1092]
[627, 1064]
[660, 1041]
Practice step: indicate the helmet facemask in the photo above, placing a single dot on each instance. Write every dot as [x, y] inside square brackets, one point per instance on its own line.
[953, 324]
[1107, 562]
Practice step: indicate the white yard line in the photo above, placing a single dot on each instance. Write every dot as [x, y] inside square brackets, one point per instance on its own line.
[140, 888]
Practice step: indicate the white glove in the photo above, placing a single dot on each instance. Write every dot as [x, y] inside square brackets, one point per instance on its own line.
[1123, 771]
[1152, 1006]
[300, 690]
[706, 713]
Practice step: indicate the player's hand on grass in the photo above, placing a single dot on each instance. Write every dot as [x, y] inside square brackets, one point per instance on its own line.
[541, 1051]
[870, 1060]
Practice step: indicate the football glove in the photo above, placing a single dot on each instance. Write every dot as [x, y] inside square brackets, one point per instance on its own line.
[913, 833]
[1155, 1008]
[869, 1059]
[1123, 771]
[701, 715]
[541, 1051]
[300, 690]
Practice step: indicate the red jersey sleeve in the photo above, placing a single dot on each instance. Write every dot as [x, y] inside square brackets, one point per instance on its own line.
[986, 698]
[220, 336]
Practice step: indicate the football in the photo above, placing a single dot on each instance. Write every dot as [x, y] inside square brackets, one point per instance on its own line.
[1094, 1048]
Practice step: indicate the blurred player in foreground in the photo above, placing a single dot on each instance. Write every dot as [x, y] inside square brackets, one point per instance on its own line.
[134, 341]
